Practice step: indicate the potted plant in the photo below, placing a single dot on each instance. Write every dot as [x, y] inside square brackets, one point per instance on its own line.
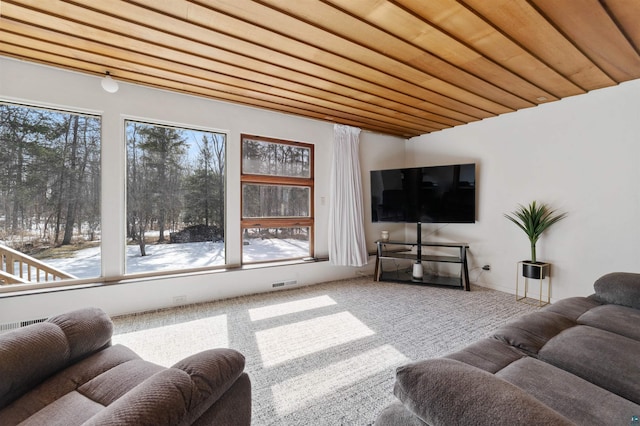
[534, 219]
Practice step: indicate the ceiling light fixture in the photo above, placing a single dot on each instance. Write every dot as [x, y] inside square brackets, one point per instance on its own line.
[109, 84]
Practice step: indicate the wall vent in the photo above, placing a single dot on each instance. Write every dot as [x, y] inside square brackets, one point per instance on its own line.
[284, 283]
[13, 325]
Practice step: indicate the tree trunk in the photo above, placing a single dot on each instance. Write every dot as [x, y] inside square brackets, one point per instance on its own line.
[72, 203]
[141, 241]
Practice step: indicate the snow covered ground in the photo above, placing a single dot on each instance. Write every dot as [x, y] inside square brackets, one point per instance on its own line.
[162, 257]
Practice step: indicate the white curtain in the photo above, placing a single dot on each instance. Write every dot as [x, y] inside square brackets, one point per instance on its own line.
[347, 245]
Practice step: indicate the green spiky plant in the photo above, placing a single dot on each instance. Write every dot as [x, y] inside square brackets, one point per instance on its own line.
[534, 219]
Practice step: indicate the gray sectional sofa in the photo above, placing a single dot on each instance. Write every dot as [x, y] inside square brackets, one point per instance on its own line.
[576, 361]
[66, 372]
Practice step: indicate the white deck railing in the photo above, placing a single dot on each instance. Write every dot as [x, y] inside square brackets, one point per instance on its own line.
[18, 268]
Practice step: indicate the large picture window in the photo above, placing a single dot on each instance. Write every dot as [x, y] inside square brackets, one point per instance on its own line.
[49, 195]
[277, 199]
[175, 198]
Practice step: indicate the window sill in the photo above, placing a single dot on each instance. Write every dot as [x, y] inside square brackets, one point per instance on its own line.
[6, 291]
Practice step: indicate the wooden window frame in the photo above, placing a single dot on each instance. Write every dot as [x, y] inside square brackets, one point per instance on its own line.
[274, 222]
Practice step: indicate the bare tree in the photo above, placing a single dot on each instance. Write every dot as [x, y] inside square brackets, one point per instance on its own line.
[46, 157]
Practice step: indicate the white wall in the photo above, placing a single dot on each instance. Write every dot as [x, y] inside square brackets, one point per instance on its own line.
[41, 85]
[378, 154]
[581, 155]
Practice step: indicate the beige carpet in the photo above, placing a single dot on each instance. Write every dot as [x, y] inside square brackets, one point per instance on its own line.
[324, 354]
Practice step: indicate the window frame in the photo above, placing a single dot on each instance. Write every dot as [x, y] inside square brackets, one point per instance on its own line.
[180, 126]
[53, 283]
[262, 179]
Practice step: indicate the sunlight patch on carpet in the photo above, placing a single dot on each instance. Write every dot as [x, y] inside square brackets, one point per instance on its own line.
[295, 393]
[291, 341]
[169, 344]
[290, 307]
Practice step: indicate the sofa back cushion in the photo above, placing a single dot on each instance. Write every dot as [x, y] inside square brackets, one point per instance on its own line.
[487, 354]
[531, 332]
[603, 358]
[28, 356]
[617, 319]
[572, 307]
[87, 330]
[619, 288]
[573, 397]
[31, 354]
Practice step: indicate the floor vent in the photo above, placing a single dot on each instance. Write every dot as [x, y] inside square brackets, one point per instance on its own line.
[13, 325]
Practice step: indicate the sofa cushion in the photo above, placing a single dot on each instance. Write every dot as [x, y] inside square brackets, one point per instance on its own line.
[28, 356]
[31, 354]
[449, 392]
[65, 382]
[614, 318]
[606, 359]
[572, 307]
[161, 400]
[575, 398]
[531, 332]
[488, 354]
[117, 381]
[619, 288]
[87, 330]
[71, 409]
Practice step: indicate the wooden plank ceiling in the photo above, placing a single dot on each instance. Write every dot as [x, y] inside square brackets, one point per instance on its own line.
[400, 67]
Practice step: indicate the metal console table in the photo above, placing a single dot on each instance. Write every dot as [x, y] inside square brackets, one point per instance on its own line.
[404, 250]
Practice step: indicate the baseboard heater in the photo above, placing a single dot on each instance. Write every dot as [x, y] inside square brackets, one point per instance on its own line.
[18, 324]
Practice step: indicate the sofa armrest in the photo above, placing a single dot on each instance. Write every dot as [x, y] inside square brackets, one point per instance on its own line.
[619, 288]
[448, 392]
[31, 354]
[178, 395]
[161, 400]
[212, 372]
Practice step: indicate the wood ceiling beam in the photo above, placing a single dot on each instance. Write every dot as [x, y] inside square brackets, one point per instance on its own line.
[243, 18]
[158, 77]
[610, 50]
[522, 22]
[626, 14]
[214, 71]
[402, 67]
[474, 40]
[89, 21]
[462, 67]
[200, 31]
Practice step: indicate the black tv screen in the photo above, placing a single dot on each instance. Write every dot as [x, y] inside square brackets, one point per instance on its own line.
[435, 194]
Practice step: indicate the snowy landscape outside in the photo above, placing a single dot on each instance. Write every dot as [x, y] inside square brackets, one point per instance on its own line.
[50, 197]
[164, 257]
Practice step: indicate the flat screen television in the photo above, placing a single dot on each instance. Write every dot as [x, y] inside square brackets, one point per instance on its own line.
[435, 194]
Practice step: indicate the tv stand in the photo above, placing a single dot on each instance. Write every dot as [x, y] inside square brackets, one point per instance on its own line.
[404, 250]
